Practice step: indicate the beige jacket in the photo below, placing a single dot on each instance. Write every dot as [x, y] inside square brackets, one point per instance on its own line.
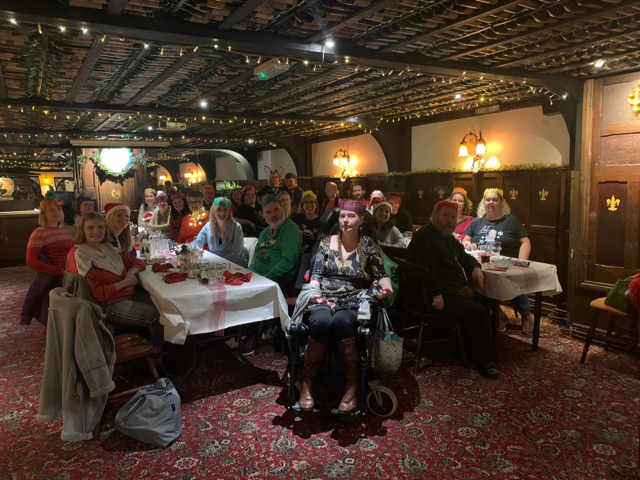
[78, 366]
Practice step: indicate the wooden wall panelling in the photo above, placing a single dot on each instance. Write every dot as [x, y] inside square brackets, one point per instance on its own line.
[517, 193]
[483, 181]
[612, 203]
[15, 230]
[441, 188]
[421, 194]
[465, 181]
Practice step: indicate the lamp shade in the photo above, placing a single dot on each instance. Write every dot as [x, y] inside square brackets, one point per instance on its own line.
[481, 147]
[463, 150]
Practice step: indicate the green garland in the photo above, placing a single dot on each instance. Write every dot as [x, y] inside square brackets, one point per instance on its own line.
[502, 168]
[102, 170]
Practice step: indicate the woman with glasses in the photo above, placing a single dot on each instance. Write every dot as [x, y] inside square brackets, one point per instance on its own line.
[193, 223]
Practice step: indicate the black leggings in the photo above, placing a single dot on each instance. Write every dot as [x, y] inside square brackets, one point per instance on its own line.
[325, 327]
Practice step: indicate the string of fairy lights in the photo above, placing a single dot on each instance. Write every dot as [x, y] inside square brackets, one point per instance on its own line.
[249, 130]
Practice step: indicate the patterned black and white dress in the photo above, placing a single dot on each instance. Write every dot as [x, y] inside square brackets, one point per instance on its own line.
[340, 288]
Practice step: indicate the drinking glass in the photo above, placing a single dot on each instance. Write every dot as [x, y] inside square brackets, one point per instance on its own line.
[484, 253]
[496, 248]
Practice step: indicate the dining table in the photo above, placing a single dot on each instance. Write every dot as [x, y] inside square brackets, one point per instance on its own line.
[504, 284]
[192, 308]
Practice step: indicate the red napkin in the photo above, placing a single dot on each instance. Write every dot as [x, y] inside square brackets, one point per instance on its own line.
[236, 278]
[161, 267]
[175, 277]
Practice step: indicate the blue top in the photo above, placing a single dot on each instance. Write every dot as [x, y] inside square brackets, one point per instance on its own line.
[230, 247]
[114, 242]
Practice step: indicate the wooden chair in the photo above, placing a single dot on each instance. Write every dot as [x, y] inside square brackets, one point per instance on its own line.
[599, 306]
[416, 302]
[131, 347]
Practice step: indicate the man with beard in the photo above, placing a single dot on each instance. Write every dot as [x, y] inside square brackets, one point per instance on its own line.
[279, 246]
[451, 274]
[357, 193]
[277, 255]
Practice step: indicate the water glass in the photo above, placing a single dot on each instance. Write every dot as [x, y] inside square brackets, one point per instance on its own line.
[496, 248]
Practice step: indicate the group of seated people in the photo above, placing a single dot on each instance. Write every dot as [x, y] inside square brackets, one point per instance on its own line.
[343, 267]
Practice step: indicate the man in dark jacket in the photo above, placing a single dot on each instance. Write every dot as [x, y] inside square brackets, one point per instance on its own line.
[451, 271]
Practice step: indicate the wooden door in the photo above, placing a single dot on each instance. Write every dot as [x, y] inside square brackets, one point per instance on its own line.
[605, 227]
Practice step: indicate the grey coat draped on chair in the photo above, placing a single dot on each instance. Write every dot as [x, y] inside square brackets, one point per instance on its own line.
[78, 366]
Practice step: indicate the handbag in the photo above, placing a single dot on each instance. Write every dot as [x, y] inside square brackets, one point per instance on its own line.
[617, 297]
[153, 414]
[386, 354]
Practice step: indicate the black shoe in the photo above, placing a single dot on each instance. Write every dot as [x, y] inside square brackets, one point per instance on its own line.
[249, 345]
[488, 370]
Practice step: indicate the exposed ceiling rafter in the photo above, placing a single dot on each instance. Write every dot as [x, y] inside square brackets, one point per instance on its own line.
[240, 13]
[491, 9]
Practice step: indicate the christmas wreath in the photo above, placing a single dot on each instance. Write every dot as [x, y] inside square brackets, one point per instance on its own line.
[125, 169]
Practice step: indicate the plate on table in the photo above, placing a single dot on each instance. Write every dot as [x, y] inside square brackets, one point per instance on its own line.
[154, 260]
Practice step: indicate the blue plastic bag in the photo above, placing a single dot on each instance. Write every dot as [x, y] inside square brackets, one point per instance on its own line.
[153, 415]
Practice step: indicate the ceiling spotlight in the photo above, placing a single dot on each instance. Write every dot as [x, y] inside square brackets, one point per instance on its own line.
[250, 141]
[329, 43]
[457, 96]
[62, 29]
[13, 21]
[599, 63]
[85, 30]
[146, 45]
[203, 103]
[150, 128]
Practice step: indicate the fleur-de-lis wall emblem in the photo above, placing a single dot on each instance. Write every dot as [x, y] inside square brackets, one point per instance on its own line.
[613, 203]
[543, 194]
[440, 193]
[514, 193]
[420, 193]
[115, 194]
[634, 100]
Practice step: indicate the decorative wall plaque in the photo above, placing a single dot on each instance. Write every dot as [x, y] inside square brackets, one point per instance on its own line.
[543, 195]
[613, 203]
[441, 193]
[514, 194]
[420, 192]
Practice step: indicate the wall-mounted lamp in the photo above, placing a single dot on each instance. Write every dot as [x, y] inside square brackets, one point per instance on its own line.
[162, 177]
[634, 100]
[46, 179]
[480, 148]
[343, 159]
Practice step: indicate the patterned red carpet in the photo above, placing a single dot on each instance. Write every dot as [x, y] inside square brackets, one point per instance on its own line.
[548, 417]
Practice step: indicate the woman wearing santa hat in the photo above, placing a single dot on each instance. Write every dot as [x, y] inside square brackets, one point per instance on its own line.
[119, 235]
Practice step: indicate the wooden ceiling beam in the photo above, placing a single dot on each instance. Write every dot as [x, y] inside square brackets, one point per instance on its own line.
[169, 30]
[97, 47]
[291, 87]
[177, 65]
[576, 20]
[116, 7]
[243, 77]
[42, 103]
[560, 51]
[461, 21]
[353, 18]
[240, 13]
[6, 114]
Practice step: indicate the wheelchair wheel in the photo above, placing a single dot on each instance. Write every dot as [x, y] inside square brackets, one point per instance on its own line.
[384, 406]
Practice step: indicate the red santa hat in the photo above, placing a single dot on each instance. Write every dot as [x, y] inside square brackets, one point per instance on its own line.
[111, 208]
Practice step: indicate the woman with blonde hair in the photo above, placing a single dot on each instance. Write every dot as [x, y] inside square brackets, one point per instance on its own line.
[223, 235]
[49, 239]
[308, 220]
[117, 218]
[465, 206]
[111, 277]
[495, 223]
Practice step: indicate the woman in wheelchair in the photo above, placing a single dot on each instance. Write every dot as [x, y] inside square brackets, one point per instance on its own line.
[343, 269]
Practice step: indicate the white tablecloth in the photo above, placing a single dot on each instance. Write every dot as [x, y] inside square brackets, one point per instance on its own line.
[504, 286]
[189, 308]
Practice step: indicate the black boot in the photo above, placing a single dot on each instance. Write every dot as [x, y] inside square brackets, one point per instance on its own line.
[348, 354]
[313, 360]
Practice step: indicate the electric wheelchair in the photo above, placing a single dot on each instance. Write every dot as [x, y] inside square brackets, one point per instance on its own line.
[380, 400]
